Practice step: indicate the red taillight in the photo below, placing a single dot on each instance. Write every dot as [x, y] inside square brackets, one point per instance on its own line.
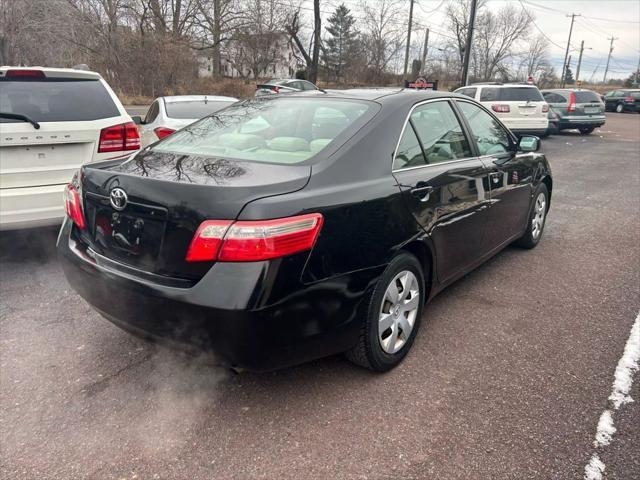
[73, 206]
[572, 102]
[207, 240]
[629, 99]
[119, 138]
[162, 132]
[545, 108]
[276, 89]
[250, 241]
[500, 108]
[31, 74]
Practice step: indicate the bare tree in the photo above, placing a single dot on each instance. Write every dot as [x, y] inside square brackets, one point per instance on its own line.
[310, 55]
[384, 32]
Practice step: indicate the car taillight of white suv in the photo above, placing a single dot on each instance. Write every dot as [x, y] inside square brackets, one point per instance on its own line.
[52, 121]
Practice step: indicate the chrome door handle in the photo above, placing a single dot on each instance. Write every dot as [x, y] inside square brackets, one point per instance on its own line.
[422, 193]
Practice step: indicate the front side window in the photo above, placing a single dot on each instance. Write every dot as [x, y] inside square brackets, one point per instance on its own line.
[490, 135]
[275, 130]
[489, 94]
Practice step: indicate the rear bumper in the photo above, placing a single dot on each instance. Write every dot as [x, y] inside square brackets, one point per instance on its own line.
[582, 121]
[31, 207]
[223, 312]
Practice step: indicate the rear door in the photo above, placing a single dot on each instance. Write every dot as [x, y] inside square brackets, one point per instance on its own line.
[444, 185]
[510, 175]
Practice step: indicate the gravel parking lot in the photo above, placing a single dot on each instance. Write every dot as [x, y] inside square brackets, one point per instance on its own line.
[508, 377]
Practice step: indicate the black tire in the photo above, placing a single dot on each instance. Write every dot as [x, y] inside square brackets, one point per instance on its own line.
[530, 239]
[586, 130]
[619, 108]
[368, 352]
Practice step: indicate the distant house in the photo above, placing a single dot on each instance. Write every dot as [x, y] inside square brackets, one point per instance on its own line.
[270, 55]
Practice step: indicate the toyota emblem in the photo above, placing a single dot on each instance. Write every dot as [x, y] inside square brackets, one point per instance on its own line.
[118, 198]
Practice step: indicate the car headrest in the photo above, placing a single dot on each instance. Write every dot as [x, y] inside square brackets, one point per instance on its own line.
[288, 144]
[241, 141]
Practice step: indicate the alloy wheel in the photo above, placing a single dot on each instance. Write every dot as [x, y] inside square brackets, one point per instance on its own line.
[398, 312]
[540, 210]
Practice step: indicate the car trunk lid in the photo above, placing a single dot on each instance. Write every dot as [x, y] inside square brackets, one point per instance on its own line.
[167, 197]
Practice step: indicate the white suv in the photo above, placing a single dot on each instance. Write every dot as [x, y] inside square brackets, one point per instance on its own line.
[521, 107]
[52, 120]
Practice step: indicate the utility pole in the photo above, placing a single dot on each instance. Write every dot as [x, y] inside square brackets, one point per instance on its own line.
[579, 61]
[424, 52]
[406, 54]
[637, 72]
[606, 69]
[467, 47]
[566, 53]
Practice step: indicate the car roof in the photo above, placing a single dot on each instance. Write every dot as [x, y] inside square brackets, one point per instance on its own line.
[381, 95]
[198, 98]
[500, 85]
[56, 72]
[567, 90]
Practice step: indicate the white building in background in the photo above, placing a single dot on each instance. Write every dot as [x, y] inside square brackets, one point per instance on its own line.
[236, 55]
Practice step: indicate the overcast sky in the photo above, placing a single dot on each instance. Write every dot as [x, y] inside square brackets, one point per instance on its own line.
[599, 20]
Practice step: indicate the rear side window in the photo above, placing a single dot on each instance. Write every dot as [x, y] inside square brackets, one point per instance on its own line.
[440, 133]
[195, 110]
[488, 94]
[282, 130]
[586, 97]
[432, 135]
[554, 97]
[409, 152]
[469, 92]
[635, 94]
[54, 100]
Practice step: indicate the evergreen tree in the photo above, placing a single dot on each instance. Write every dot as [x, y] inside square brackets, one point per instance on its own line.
[568, 77]
[341, 42]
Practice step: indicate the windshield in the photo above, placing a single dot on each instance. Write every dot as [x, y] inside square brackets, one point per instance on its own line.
[195, 109]
[522, 94]
[53, 100]
[282, 130]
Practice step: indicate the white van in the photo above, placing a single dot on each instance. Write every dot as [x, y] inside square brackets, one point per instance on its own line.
[53, 120]
[521, 107]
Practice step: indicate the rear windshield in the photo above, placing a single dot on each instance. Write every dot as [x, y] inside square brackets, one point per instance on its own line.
[586, 97]
[282, 130]
[195, 110]
[54, 100]
[511, 94]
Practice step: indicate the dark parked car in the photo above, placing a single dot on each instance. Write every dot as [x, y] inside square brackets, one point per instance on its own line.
[576, 109]
[623, 100]
[324, 230]
[287, 85]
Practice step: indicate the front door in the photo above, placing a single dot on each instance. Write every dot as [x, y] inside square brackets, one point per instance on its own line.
[445, 186]
[510, 175]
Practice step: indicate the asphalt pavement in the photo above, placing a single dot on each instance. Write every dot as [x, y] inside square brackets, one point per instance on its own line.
[507, 379]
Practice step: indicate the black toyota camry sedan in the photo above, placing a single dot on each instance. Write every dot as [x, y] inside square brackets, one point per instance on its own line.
[288, 228]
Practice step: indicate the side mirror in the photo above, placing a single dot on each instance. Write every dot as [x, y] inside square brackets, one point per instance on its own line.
[528, 143]
[137, 119]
